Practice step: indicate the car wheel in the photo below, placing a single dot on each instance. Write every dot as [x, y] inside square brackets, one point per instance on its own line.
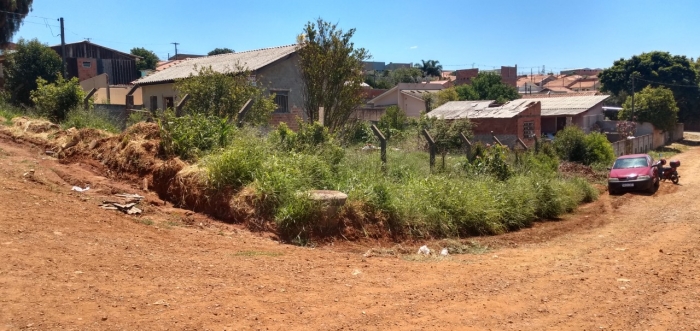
[612, 191]
[652, 187]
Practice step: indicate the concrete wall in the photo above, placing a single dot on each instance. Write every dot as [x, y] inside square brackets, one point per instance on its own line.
[117, 95]
[285, 75]
[97, 82]
[160, 91]
[412, 106]
[659, 138]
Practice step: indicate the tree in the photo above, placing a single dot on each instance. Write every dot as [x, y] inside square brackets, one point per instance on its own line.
[654, 105]
[655, 69]
[149, 60]
[430, 68]
[31, 60]
[487, 86]
[394, 121]
[331, 70]
[14, 12]
[55, 100]
[218, 51]
[224, 94]
[405, 75]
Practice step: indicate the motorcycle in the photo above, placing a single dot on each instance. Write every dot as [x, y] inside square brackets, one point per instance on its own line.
[668, 173]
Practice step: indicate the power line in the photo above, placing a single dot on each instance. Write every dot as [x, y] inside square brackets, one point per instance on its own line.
[18, 14]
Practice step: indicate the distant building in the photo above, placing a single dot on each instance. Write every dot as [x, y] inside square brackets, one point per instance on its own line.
[509, 75]
[582, 72]
[85, 60]
[517, 119]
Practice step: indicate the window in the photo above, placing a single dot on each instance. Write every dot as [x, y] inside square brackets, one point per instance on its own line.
[154, 103]
[87, 64]
[168, 103]
[282, 101]
[529, 129]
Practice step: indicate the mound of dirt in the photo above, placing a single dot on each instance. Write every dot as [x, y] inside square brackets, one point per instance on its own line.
[574, 169]
[34, 125]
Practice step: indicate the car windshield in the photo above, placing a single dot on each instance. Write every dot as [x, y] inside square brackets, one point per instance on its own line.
[637, 162]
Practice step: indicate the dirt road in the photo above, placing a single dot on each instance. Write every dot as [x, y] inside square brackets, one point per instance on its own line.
[627, 262]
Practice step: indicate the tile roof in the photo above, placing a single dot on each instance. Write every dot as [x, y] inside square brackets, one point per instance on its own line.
[567, 105]
[480, 109]
[418, 94]
[251, 60]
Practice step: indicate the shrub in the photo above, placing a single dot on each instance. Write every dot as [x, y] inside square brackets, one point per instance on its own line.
[136, 117]
[598, 149]
[97, 119]
[55, 100]
[570, 144]
[191, 136]
[393, 123]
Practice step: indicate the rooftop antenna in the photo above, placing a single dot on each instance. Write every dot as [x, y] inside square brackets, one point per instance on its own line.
[175, 49]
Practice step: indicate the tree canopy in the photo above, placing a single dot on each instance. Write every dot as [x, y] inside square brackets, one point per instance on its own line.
[430, 68]
[217, 51]
[487, 86]
[149, 60]
[655, 69]
[224, 94]
[14, 12]
[654, 105]
[30, 61]
[331, 69]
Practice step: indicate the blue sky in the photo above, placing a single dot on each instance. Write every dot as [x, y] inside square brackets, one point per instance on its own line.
[460, 34]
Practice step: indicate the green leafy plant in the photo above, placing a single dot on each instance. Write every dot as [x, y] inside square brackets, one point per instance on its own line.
[96, 119]
[192, 136]
[54, 100]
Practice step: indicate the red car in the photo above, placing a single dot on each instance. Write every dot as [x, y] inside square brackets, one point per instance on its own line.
[633, 172]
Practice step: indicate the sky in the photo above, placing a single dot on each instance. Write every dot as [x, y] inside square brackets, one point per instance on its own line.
[463, 34]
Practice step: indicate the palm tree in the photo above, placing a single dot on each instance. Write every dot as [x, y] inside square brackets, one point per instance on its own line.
[431, 68]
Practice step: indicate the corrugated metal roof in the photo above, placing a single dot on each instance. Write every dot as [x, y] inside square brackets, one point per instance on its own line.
[568, 106]
[480, 109]
[418, 93]
[251, 60]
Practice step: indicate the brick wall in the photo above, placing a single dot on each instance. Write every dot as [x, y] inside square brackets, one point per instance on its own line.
[509, 129]
[465, 76]
[291, 118]
[87, 68]
[509, 76]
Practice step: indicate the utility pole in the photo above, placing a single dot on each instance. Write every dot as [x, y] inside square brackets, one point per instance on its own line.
[175, 49]
[63, 50]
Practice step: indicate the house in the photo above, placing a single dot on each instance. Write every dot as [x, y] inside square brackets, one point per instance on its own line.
[408, 96]
[560, 110]
[509, 75]
[86, 60]
[275, 68]
[513, 120]
[582, 71]
[181, 56]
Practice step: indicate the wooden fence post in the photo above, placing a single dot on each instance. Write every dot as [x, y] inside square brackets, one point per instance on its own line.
[467, 145]
[244, 110]
[183, 101]
[382, 143]
[86, 100]
[496, 139]
[431, 144]
[522, 143]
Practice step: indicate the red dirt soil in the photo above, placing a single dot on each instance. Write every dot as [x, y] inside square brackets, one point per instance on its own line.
[622, 263]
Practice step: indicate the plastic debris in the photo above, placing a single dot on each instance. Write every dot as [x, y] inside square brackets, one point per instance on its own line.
[424, 250]
[444, 252]
[80, 189]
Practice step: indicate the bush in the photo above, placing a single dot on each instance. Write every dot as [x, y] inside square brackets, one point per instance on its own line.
[393, 123]
[136, 117]
[598, 149]
[570, 144]
[55, 100]
[96, 119]
[191, 136]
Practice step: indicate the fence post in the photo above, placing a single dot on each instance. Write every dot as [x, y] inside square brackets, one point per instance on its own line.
[244, 110]
[86, 100]
[178, 108]
[467, 146]
[496, 139]
[382, 144]
[522, 143]
[431, 144]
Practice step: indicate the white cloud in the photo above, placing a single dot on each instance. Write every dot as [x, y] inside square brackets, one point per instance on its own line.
[413, 47]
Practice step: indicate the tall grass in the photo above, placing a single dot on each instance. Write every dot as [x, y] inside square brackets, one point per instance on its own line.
[451, 202]
[95, 118]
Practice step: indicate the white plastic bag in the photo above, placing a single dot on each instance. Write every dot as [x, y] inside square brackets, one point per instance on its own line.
[424, 250]
[444, 252]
